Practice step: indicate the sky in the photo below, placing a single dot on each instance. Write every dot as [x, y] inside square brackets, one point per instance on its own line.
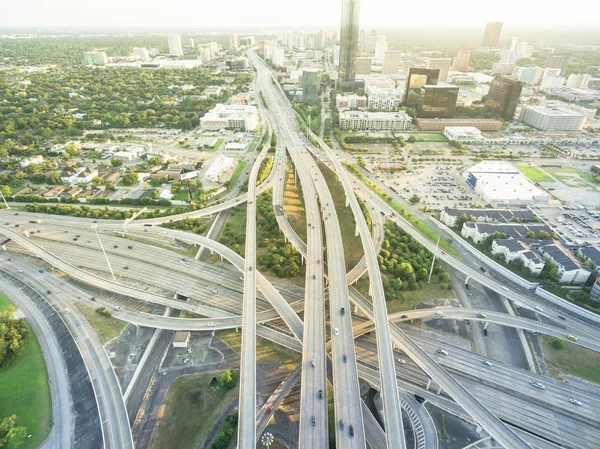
[286, 13]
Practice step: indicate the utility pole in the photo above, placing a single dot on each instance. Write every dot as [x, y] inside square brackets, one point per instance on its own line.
[433, 261]
[4, 199]
[95, 228]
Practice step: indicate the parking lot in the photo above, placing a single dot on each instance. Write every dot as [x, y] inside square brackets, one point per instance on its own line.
[576, 223]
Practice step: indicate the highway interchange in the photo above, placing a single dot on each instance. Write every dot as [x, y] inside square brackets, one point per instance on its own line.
[462, 377]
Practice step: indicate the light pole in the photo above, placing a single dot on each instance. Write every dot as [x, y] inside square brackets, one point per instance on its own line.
[95, 228]
[433, 261]
[4, 199]
[267, 439]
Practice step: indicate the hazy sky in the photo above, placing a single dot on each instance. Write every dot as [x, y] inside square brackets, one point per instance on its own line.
[203, 13]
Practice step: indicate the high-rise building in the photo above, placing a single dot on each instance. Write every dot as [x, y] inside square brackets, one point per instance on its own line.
[416, 79]
[437, 101]
[142, 53]
[310, 86]
[381, 47]
[559, 62]
[553, 118]
[349, 44]
[524, 50]
[461, 61]
[502, 68]
[579, 81]
[233, 42]
[491, 37]
[529, 75]
[443, 64]
[391, 62]
[154, 52]
[513, 43]
[508, 57]
[363, 66]
[204, 54]
[191, 42]
[503, 96]
[175, 45]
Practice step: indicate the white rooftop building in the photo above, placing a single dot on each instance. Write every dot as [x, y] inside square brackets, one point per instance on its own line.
[236, 116]
[221, 165]
[463, 133]
[554, 118]
[375, 121]
[500, 183]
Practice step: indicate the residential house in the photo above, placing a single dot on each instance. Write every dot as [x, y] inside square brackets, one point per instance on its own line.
[451, 216]
[54, 192]
[478, 232]
[78, 175]
[513, 249]
[570, 269]
[592, 254]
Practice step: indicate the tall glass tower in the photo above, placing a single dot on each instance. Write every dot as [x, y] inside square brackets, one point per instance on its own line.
[348, 44]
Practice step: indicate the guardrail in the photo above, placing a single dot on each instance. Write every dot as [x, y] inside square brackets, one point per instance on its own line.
[582, 314]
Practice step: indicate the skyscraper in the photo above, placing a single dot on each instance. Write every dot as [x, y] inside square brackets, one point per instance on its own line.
[391, 62]
[381, 47]
[503, 97]
[348, 44]
[559, 62]
[175, 45]
[443, 64]
[363, 66]
[310, 87]
[437, 101]
[491, 37]
[233, 43]
[461, 61]
[416, 79]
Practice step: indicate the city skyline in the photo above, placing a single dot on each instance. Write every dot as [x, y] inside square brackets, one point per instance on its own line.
[66, 13]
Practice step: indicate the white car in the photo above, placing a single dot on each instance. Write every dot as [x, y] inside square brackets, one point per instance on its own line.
[439, 312]
[116, 308]
[211, 324]
[216, 292]
[576, 402]
[336, 331]
[151, 317]
[539, 309]
[401, 361]
[539, 385]
[67, 310]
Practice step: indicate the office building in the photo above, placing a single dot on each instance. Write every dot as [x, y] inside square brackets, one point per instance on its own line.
[236, 116]
[503, 96]
[437, 101]
[529, 75]
[96, 58]
[351, 102]
[204, 54]
[513, 43]
[310, 85]
[233, 42]
[154, 52]
[508, 56]
[375, 121]
[443, 64]
[481, 124]
[559, 62]
[363, 66]
[553, 118]
[502, 68]
[552, 82]
[191, 42]
[461, 61]
[349, 44]
[279, 57]
[336, 55]
[142, 53]
[524, 50]
[381, 47]
[175, 48]
[491, 37]
[579, 81]
[416, 79]
[391, 62]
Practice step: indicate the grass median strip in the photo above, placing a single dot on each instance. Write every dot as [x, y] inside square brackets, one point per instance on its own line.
[106, 327]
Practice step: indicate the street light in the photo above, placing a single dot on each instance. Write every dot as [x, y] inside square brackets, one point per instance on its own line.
[267, 439]
[4, 199]
[95, 228]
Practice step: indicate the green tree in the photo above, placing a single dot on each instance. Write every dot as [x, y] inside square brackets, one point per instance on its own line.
[543, 235]
[12, 333]
[5, 190]
[130, 178]
[53, 178]
[414, 199]
[11, 435]
[155, 160]
[550, 270]
[227, 380]
[116, 162]
[557, 343]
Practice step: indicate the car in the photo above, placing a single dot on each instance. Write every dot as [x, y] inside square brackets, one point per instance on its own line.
[314, 277]
[351, 431]
[186, 360]
[365, 265]
[40, 271]
[116, 308]
[115, 246]
[126, 268]
[189, 350]
[442, 352]
[67, 231]
[343, 311]
[341, 424]
[269, 409]
[439, 312]
[336, 331]
[505, 288]
[572, 337]
[67, 310]
[444, 253]
[562, 317]
[313, 363]
[130, 247]
[211, 324]
[539, 385]
[75, 239]
[151, 317]
[539, 309]
[77, 236]
[401, 361]
[241, 278]
[486, 363]
[314, 420]
[404, 316]
[215, 292]
[19, 271]
[576, 402]
[318, 261]
[320, 394]
[48, 292]
[93, 298]
[481, 315]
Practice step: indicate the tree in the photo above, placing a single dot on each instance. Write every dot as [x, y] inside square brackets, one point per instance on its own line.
[12, 333]
[11, 435]
[361, 162]
[550, 270]
[155, 160]
[116, 162]
[227, 380]
[411, 139]
[543, 235]
[557, 343]
[130, 178]
[53, 178]
[5, 190]
[414, 199]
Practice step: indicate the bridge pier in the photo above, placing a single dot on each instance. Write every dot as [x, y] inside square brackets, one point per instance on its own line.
[486, 324]
[356, 232]
[26, 233]
[347, 201]
[428, 384]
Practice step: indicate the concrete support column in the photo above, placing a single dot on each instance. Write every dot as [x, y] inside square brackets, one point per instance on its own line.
[439, 390]
[26, 233]
[356, 232]
[354, 308]
[428, 384]
[486, 324]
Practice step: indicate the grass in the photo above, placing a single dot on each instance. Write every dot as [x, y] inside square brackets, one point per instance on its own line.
[266, 351]
[412, 298]
[6, 305]
[218, 143]
[427, 137]
[182, 195]
[534, 174]
[237, 173]
[573, 359]
[353, 249]
[24, 391]
[107, 328]
[235, 228]
[573, 177]
[189, 412]
[293, 203]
